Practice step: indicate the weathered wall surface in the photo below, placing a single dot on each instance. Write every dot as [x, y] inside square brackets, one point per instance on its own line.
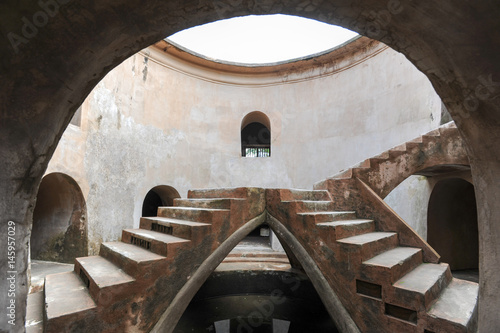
[410, 199]
[149, 123]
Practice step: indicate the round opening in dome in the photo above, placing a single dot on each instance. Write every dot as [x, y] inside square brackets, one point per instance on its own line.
[261, 39]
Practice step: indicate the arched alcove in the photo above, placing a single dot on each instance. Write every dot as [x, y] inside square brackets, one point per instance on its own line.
[59, 220]
[452, 223]
[256, 135]
[158, 196]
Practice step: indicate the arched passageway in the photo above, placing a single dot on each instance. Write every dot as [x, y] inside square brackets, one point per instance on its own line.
[59, 220]
[452, 223]
[159, 196]
[453, 43]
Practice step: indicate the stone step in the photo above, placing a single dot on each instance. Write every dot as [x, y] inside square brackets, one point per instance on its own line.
[379, 158]
[67, 300]
[320, 217]
[203, 215]
[344, 174]
[420, 287]
[416, 143]
[362, 165]
[416, 140]
[257, 254]
[455, 309]
[238, 192]
[363, 247]
[156, 242]
[433, 133]
[34, 313]
[348, 228]
[428, 139]
[134, 260]
[104, 279]
[256, 259]
[307, 195]
[390, 266]
[311, 206]
[175, 227]
[221, 203]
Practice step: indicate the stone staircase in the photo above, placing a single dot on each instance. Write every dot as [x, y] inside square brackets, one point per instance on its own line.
[386, 276]
[442, 147]
[385, 283]
[130, 283]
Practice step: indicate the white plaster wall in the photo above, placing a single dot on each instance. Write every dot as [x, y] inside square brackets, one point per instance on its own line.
[147, 124]
[410, 199]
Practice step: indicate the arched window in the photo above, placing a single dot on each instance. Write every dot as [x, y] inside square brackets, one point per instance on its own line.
[159, 196]
[256, 135]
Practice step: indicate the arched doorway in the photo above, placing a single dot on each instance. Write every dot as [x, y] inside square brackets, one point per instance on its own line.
[452, 223]
[59, 220]
[159, 196]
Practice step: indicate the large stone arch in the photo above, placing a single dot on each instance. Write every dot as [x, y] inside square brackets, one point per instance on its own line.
[55, 52]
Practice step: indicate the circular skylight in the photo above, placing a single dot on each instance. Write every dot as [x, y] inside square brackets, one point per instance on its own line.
[261, 39]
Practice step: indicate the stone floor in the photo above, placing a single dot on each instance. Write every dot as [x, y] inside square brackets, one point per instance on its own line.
[254, 243]
[34, 313]
[39, 269]
[469, 275]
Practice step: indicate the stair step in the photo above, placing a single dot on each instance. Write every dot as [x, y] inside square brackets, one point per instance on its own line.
[368, 245]
[221, 203]
[174, 227]
[309, 195]
[134, 260]
[391, 265]
[434, 133]
[203, 215]
[154, 241]
[348, 228]
[311, 205]
[362, 165]
[66, 299]
[34, 313]
[380, 157]
[421, 286]
[416, 140]
[321, 217]
[344, 174]
[217, 193]
[456, 308]
[397, 151]
[105, 279]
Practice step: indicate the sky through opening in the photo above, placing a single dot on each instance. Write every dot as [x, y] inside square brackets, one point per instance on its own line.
[262, 39]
